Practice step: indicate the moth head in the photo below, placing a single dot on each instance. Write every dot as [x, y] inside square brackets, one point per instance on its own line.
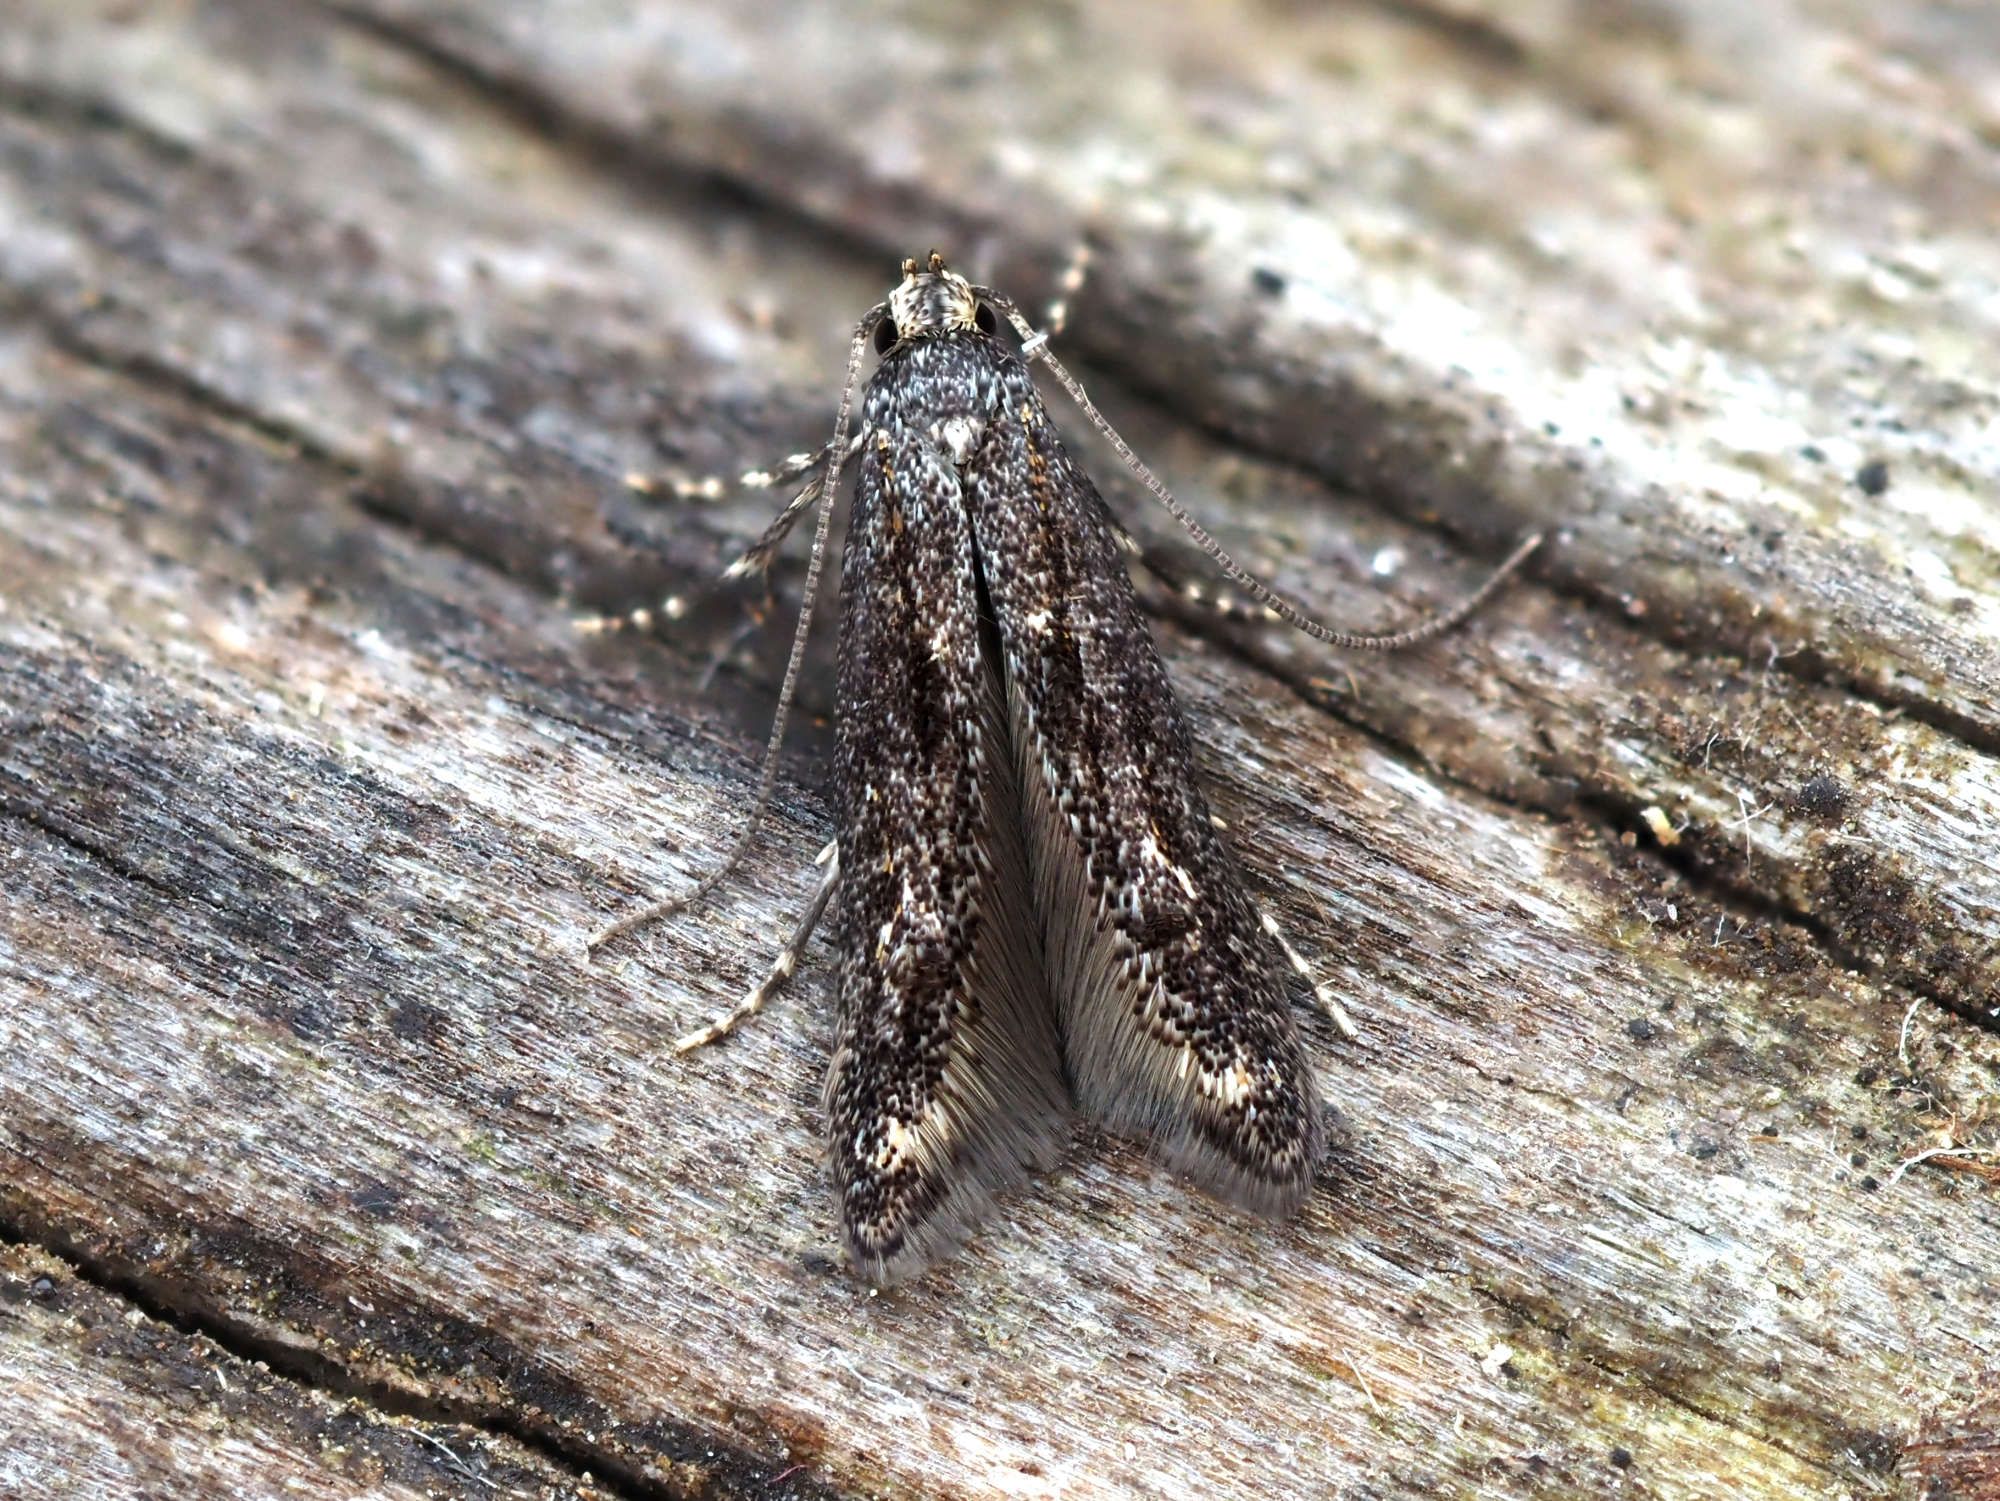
[931, 300]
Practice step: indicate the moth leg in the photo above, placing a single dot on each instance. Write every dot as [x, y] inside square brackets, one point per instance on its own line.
[1035, 343]
[724, 652]
[1056, 316]
[836, 451]
[673, 607]
[758, 556]
[1343, 1023]
[714, 486]
[1187, 591]
[781, 968]
[755, 560]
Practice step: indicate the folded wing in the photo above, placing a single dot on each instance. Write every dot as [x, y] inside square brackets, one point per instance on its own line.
[1169, 993]
[946, 1082]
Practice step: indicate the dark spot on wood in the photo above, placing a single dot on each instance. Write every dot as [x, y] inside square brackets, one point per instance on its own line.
[376, 1197]
[1958, 1452]
[1875, 905]
[418, 1021]
[1878, 1452]
[12, 1291]
[1821, 796]
[309, 1021]
[1721, 1057]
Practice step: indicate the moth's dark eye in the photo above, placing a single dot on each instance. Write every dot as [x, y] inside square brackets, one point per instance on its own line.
[988, 324]
[885, 335]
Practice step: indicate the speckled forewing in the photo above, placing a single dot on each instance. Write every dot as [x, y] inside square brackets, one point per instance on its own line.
[1174, 1015]
[945, 1084]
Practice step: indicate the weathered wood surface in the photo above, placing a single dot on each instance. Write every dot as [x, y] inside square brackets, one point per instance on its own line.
[107, 1400]
[328, 336]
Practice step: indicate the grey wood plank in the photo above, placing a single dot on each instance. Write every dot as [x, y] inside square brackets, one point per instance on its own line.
[98, 1399]
[325, 357]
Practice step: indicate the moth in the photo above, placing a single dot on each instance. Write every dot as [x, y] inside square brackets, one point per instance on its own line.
[1035, 911]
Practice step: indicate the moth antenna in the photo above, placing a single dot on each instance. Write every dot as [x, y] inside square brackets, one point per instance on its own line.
[767, 780]
[1034, 346]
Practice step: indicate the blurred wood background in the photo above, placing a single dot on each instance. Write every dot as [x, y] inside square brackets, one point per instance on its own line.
[1665, 893]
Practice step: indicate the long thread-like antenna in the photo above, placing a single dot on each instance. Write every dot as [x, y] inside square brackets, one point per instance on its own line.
[768, 780]
[1035, 346]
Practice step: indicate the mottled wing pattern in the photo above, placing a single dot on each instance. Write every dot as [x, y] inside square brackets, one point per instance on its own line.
[1170, 993]
[946, 1081]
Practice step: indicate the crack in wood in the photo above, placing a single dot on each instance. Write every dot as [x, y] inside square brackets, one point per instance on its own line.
[194, 1311]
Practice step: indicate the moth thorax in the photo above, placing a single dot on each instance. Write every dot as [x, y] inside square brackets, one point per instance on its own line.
[932, 302]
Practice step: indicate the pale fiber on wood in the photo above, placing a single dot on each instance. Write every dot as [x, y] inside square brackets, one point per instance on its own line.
[320, 377]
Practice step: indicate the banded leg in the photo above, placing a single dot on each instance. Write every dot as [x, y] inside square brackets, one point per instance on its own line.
[1343, 1023]
[782, 968]
[756, 560]
[714, 486]
[758, 557]
[1189, 591]
[759, 554]
[1056, 316]
[767, 779]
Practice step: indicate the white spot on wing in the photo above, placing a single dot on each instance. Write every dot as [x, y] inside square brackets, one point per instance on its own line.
[959, 436]
[898, 1141]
